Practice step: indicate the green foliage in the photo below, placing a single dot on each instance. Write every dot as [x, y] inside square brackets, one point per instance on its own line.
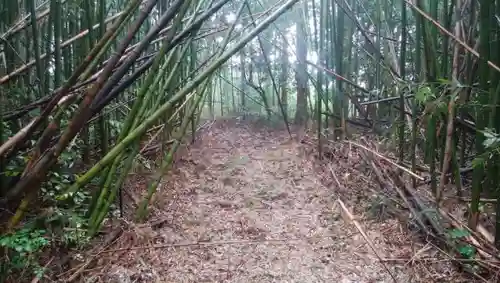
[21, 251]
[62, 223]
[466, 250]
[15, 167]
[458, 233]
[491, 144]
[23, 247]
[424, 94]
[68, 225]
[7, 132]
[492, 140]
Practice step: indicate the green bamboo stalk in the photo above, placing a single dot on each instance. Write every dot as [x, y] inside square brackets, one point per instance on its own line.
[191, 85]
[74, 77]
[319, 40]
[51, 24]
[102, 124]
[478, 172]
[301, 113]
[431, 136]
[136, 115]
[57, 43]
[269, 70]
[402, 72]
[418, 75]
[496, 114]
[339, 64]
[36, 46]
[141, 211]
[97, 218]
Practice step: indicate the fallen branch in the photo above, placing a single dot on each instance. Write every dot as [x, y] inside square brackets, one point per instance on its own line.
[391, 186]
[440, 221]
[341, 187]
[110, 240]
[350, 218]
[224, 243]
[388, 160]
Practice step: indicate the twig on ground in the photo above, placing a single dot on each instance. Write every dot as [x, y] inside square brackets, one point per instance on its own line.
[222, 243]
[388, 160]
[433, 260]
[422, 250]
[151, 139]
[388, 183]
[350, 218]
[341, 187]
[453, 260]
[82, 267]
[37, 278]
[486, 200]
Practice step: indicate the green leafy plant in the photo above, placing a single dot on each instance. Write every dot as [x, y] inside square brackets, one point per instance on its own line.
[466, 250]
[424, 94]
[68, 226]
[491, 144]
[22, 249]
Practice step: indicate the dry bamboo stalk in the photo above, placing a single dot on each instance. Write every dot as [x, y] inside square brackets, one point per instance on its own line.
[341, 187]
[80, 35]
[463, 44]
[419, 252]
[151, 139]
[399, 191]
[487, 235]
[350, 218]
[12, 140]
[22, 133]
[388, 160]
[447, 149]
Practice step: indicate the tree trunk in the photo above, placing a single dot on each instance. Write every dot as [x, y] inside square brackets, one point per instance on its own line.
[301, 68]
[283, 78]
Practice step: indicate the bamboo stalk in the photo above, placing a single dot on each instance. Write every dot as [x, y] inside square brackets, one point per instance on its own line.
[463, 44]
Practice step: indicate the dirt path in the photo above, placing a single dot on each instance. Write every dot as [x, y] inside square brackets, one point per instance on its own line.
[262, 203]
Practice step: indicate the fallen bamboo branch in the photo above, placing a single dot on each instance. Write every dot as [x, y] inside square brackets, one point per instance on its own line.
[482, 242]
[480, 235]
[399, 191]
[152, 139]
[388, 160]
[341, 187]
[350, 218]
[486, 200]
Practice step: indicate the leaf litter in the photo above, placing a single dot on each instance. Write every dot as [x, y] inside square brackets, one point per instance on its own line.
[248, 204]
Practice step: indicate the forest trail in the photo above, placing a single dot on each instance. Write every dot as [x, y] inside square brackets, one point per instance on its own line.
[261, 212]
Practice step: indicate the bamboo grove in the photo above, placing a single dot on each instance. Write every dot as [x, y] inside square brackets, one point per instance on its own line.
[86, 84]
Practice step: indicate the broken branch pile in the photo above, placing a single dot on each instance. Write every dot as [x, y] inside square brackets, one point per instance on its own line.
[472, 250]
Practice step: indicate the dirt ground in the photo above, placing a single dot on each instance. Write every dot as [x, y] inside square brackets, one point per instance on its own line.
[248, 205]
